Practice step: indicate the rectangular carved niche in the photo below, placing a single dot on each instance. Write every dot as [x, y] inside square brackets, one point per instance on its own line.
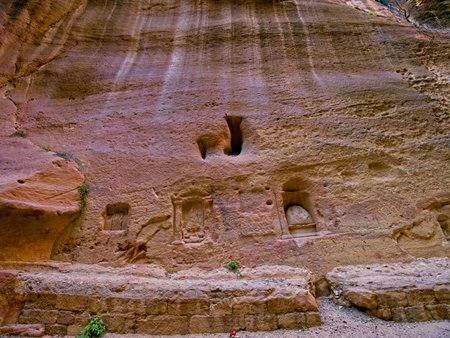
[116, 217]
[192, 220]
[296, 205]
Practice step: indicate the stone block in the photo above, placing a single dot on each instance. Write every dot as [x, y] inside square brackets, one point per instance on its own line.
[442, 294]
[166, 324]
[417, 313]
[156, 306]
[313, 319]
[55, 330]
[75, 329]
[391, 298]
[40, 301]
[249, 305]
[362, 298]
[260, 322]
[125, 305]
[31, 316]
[421, 297]
[291, 321]
[27, 330]
[81, 320]
[306, 303]
[439, 311]
[65, 318]
[95, 304]
[188, 306]
[119, 323]
[281, 304]
[381, 312]
[399, 314]
[71, 302]
[201, 324]
[221, 307]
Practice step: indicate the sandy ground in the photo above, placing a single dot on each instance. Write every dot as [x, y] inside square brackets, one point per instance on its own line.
[343, 322]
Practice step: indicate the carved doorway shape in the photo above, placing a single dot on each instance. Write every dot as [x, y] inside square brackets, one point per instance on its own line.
[192, 219]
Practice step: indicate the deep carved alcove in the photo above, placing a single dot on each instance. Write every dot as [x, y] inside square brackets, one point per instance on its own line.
[297, 206]
[236, 137]
[116, 217]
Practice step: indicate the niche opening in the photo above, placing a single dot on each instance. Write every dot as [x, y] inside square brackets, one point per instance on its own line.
[116, 217]
[202, 147]
[296, 205]
[237, 139]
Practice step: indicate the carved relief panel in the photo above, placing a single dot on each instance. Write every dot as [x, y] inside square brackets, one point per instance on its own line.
[192, 220]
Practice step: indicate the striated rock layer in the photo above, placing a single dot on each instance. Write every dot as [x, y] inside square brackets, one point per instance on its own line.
[303, 133]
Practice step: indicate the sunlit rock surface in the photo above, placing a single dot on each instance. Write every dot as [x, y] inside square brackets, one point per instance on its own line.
[199, 123]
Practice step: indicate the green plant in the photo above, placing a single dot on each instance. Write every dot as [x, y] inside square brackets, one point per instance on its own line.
[83, 190]
[95, 328]
[19, 133]
[46, 148]
[234, 265]
[64, 155]
[372, 13]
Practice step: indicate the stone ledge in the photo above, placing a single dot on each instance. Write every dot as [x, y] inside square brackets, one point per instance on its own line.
[263, 299]
[417, 291]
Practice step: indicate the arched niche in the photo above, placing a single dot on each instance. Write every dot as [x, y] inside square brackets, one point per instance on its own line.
[297, 208]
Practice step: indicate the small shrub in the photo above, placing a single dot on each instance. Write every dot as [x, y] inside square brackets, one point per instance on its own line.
[372, 13]
[83, 190]
[64, 155]
[95, 328]
[19, 133]
[46, 148]
[234, 265]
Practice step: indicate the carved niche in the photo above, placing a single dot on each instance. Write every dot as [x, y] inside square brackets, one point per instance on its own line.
[297, 206]
[115, 217]
[192, 221]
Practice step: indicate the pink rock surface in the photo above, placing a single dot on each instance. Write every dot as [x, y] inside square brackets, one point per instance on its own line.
[199, 124]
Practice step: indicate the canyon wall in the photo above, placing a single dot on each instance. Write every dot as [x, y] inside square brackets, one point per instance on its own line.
[303, 133]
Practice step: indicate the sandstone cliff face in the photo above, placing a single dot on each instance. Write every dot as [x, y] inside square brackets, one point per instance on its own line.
[202, 124]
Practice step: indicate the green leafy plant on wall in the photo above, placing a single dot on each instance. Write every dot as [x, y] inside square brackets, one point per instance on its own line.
[83, 190]
[19, 133]
[234, 265]
[64, 155]
[95, 328]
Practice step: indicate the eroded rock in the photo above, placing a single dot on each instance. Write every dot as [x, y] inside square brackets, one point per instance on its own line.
[416, 291]
[39, 197]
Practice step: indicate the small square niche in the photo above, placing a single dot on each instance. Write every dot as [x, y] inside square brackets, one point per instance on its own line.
[116, 217]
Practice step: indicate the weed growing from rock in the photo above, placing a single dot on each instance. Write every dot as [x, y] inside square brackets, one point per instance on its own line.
[19, 133]
[83, 190]
[95, 328]
[64, 155]
[234, 265]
